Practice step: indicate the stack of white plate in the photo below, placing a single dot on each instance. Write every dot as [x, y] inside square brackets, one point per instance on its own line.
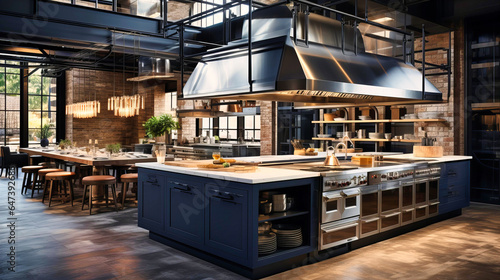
[267, 243]
[289, 236]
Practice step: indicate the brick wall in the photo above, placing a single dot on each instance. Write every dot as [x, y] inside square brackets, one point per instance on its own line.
[450, 133]
[267, 128]
[106, 127]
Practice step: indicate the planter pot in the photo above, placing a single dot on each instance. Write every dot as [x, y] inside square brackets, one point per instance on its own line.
[44, 142]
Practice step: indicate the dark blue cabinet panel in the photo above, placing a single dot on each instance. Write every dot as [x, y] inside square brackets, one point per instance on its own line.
[454, 192]
[152, 201]
[227, 222]
[185, 210]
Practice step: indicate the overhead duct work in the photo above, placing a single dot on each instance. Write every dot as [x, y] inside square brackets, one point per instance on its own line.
[326, 64]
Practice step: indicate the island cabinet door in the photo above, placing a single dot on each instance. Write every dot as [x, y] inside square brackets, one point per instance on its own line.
[185, 211]
[152, 198]
[226, 229]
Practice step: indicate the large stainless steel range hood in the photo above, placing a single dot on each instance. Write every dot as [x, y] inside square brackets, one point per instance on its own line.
[320, 71]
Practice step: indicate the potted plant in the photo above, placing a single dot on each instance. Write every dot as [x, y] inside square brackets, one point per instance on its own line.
[158, 126]
[113, 148]
[44, 134]
[63, 144]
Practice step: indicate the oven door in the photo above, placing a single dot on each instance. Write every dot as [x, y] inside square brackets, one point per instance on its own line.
[338, 233]
[370, 203]
[421, 199]
[407, 203]
[332, 206]
[351, 202]
[390, 212]
[433, 189]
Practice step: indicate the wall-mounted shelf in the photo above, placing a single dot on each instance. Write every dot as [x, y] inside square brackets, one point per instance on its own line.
[383, 121]
[370, 140]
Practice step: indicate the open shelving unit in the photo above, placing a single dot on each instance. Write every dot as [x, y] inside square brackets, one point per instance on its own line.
[381, 121]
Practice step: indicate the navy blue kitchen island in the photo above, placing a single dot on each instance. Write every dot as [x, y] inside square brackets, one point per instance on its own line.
[215, 215]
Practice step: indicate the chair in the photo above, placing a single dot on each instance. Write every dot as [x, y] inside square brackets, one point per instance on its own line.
[126, 180]
[100, 181]
[9, 159]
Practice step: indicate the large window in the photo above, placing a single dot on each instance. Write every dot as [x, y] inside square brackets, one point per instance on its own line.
[235, 11]
[10, 88]
[231, 128]
[145, 8]
[41, 105]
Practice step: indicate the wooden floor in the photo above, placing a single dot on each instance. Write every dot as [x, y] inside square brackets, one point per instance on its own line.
[63, 242]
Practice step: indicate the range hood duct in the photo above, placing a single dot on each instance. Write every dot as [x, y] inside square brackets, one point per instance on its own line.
[315, 73]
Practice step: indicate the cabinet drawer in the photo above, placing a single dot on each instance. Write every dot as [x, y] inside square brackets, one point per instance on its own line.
[456, 171]
[226, 231]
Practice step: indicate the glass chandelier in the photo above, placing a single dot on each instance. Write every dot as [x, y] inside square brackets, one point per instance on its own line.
[84, 109]
[125, 105]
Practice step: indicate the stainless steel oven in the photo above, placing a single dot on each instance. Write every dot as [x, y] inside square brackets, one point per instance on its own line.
[433, 191]
[370, 209]
[340, 208]
[390, 207]
[407, 202]
[337, 233]
[340, 204]
[426, 192]
[421, 202]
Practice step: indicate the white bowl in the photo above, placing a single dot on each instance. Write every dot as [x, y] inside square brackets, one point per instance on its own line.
[339, 119]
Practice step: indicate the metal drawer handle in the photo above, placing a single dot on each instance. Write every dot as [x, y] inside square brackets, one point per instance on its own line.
[370, 220]
[391, 215]
[188, 189]
[220, 193]
[226, 199]
[337, 228]
[328, 198]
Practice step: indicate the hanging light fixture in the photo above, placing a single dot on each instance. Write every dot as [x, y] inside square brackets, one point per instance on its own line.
[126, 105]
[84, 109]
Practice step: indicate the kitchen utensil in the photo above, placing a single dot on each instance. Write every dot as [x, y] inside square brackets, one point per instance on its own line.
[279, 202]
[375, 135]
[349, 134]
[328, 117]
[361, 133]
[331, 159]
[266, 207]
[324, 135]
[388, 136]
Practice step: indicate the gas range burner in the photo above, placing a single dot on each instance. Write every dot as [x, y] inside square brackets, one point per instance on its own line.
[329, 168]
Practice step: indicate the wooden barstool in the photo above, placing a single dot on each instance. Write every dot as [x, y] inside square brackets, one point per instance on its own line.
[30, 178]
[62, 177]
[126, 180]
[41, 178]
[99, 180]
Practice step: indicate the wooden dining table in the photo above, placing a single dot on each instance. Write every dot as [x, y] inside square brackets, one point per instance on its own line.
[98, 161]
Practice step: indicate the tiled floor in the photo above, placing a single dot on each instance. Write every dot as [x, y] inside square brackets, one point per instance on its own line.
[63, 242]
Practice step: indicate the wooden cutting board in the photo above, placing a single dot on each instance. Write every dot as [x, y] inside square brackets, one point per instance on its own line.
[188, 163]
[238, 169]
[428, 151]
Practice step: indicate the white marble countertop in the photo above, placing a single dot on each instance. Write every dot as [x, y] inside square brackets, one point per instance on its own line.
[270, 174]
[431, 160]
[262, 174]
